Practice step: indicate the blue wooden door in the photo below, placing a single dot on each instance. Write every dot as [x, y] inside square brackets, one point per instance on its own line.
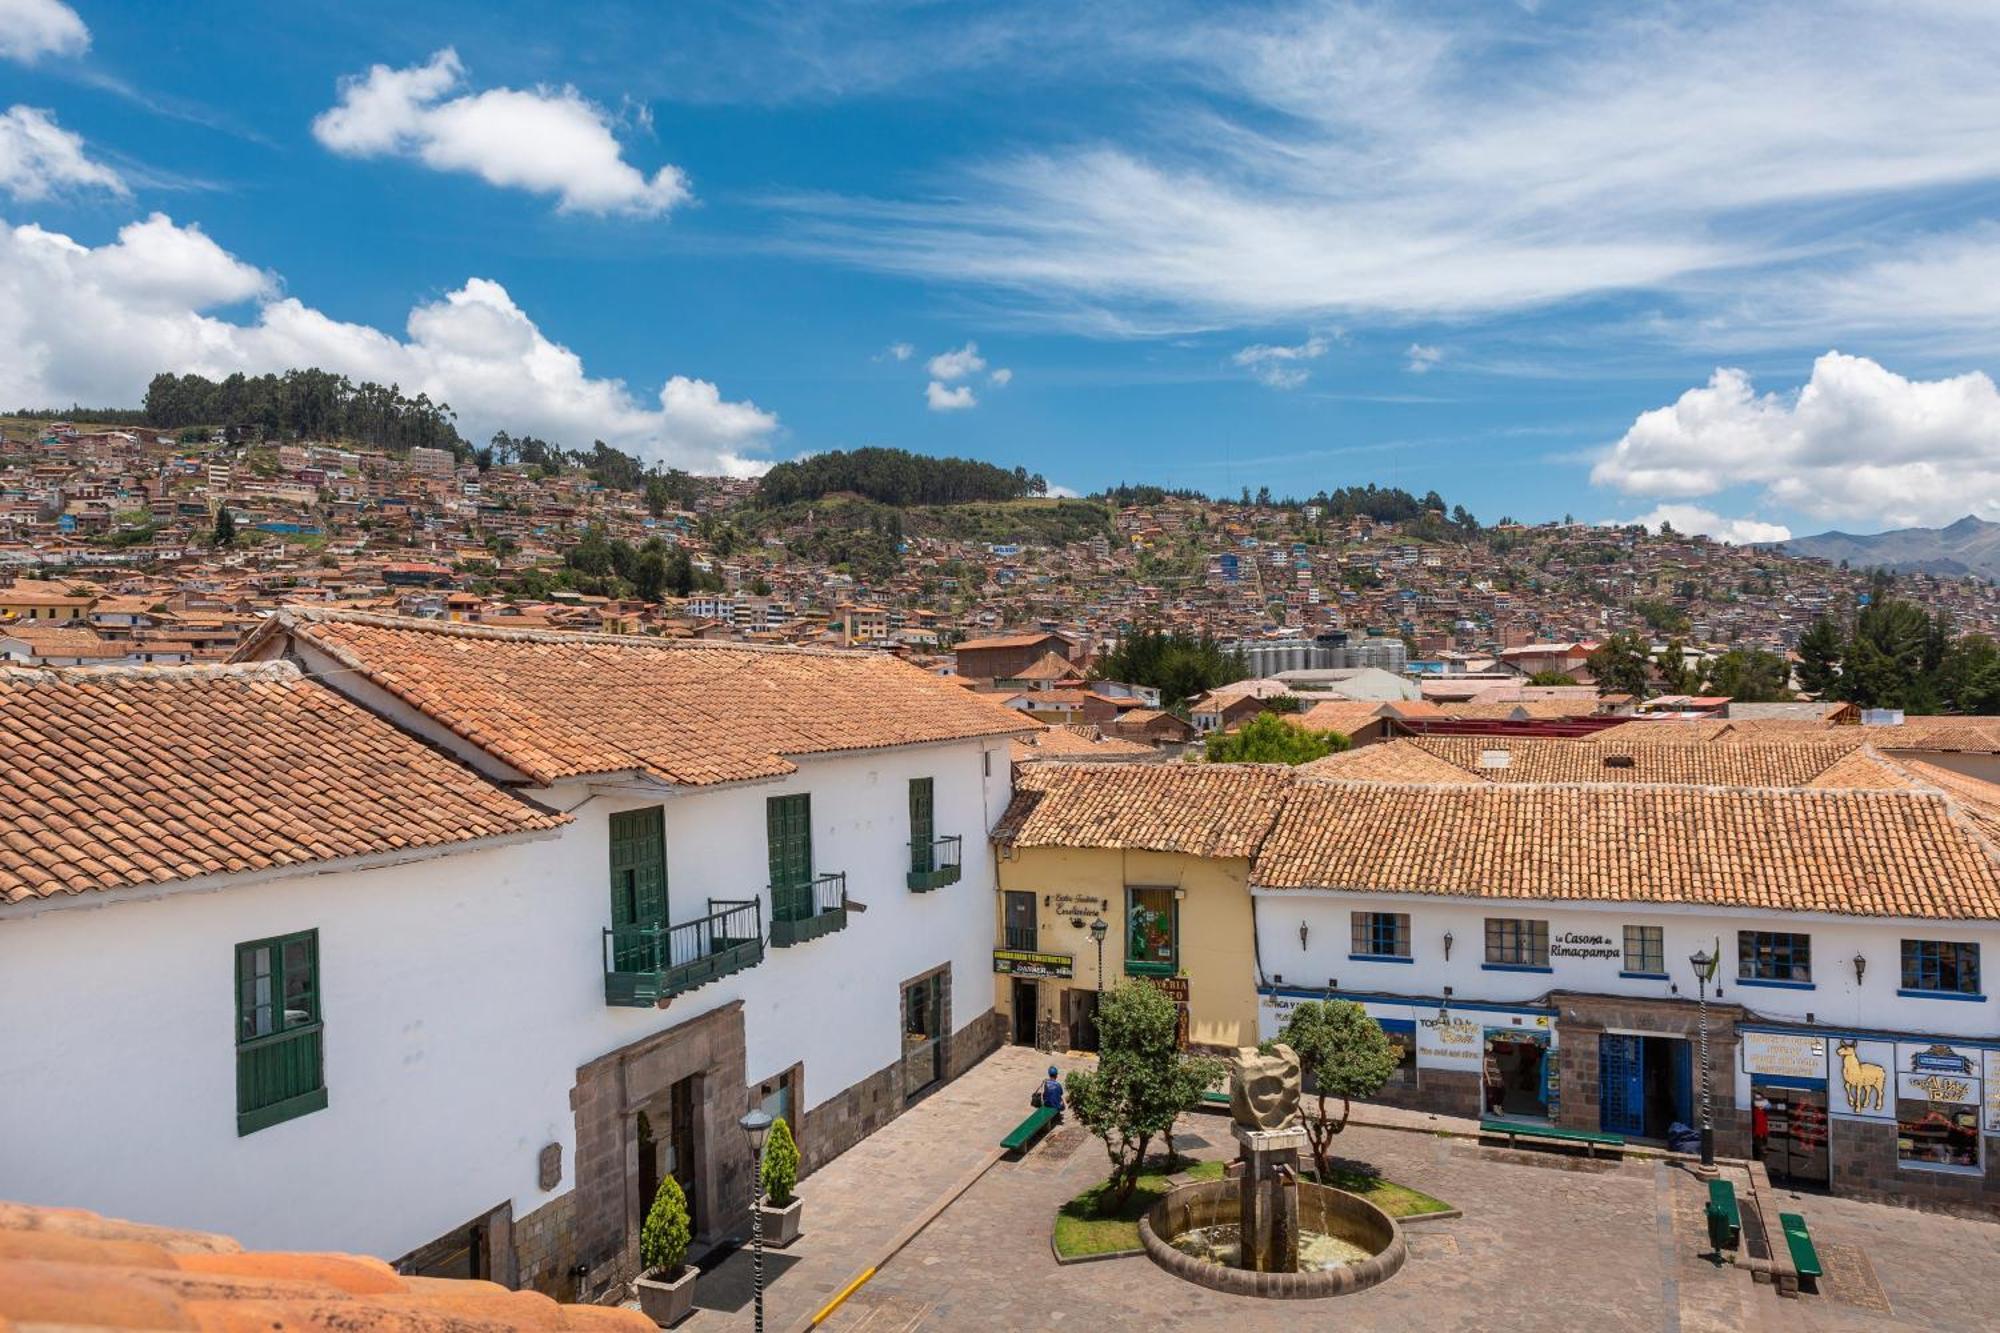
[1621, 1065]
[1684, 1084]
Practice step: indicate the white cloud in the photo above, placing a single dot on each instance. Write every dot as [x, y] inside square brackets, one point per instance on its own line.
[146, 302]
[39, 158]
[1001, 378]
[899, 351]
[1280, 366]
[1695, 519]
[957, 364]
[545, 141]
[1063, 493]
[1421, 358]
[1856, 441]
[1409, 162]
[30, 29]
[949, 397]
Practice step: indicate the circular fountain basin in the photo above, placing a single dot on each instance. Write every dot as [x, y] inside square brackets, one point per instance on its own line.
[1345, 1242]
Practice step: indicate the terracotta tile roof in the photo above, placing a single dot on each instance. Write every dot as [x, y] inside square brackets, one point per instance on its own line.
[68, 1269]
[1978, 735]
[1863, 853]
[1085, 741]
[1551, 759]
[120, 776]
[54, 641]
[1345, 716]
[1200, 809]
[1391, 761]
[1522, 709]
[1049, 666]
[558, 706]
[1008, 641]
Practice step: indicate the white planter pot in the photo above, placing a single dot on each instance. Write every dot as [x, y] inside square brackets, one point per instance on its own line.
[781, 1225]
[666, 1303]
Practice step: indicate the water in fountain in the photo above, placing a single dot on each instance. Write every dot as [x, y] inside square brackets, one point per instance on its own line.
[1222, 1243]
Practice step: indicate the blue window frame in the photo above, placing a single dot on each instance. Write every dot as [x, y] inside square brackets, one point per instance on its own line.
[1381, 935]
[1645, 951]
[1774, 956]
[1516, 942]
[1945, 966]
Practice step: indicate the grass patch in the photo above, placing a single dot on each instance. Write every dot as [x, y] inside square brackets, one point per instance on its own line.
[1082, 1228]
[1394, 1199]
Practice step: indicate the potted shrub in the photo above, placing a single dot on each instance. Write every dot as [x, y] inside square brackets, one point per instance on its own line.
[666, 1286]
[781, 1208]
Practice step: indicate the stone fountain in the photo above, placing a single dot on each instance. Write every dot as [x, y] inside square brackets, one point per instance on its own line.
[1262, 1231]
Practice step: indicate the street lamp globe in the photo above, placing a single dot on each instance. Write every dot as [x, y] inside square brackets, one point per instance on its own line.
[757, 1124]
[1700, 961]
[1099, 929]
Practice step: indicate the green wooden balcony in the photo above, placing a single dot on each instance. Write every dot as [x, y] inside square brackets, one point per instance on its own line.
[934, 864]
[801, 912]
[646, 966]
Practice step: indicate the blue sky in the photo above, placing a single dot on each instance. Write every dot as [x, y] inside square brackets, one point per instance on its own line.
[1734, 266]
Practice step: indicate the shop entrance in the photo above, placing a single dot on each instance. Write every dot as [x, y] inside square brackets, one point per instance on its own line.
[1516, 1073]
[1645, 1084]
[1080, 1018]
[1795, 1139]
[1025, 997]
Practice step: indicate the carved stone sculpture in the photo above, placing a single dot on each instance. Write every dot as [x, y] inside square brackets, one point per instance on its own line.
[1264, 1089]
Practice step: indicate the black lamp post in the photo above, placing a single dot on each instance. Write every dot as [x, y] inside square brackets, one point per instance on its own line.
[1704, 966]
[757, 1124]
[1098, 930]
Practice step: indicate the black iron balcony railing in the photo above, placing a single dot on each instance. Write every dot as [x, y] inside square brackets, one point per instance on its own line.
[647, 965]
[934, 864]
[801, 912]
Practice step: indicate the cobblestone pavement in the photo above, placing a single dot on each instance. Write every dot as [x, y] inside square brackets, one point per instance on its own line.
[1547, 1242]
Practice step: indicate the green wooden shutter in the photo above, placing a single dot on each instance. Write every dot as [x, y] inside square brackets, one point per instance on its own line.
[923, 827]
[639, 868]
[279, 1056]
[788, 831]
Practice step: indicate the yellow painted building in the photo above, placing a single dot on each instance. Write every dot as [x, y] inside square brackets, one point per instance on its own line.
[1160, 853]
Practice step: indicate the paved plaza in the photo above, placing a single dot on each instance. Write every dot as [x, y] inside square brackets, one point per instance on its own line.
[1546, 1241]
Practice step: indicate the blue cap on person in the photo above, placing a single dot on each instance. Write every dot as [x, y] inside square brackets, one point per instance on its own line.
[1052, 1071]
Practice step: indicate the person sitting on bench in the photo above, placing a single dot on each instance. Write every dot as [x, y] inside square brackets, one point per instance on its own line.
[1050, 1094]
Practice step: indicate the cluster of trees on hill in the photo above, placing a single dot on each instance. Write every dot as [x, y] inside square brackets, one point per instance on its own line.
[613, 567]
[1384, 504]
[896, 477]
[1892, 653]
[96, 416]
[609, 466]
[1125, 493]
[1625, 664]
[1179, 665]
[303, 404]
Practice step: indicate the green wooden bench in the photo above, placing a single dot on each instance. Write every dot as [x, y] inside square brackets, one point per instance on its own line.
[1211, 1099]
[1030, 1129]
[1513, 1130]
[1725, 1218]
[1805, 1256]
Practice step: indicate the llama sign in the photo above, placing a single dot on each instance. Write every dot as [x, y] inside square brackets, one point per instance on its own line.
[1863, 1071]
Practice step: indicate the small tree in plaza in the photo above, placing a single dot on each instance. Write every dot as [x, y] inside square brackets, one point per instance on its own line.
[1342, 1053]
[663, 1238]
[1142, 1083]
[780, 1168]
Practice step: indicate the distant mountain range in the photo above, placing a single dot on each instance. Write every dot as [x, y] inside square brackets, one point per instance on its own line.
[1969, 546]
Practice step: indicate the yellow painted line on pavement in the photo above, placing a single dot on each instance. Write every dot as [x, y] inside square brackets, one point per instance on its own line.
[840, 1296]
[904, 1237]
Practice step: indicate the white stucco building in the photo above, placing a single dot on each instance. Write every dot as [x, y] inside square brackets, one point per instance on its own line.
[1530, 944]
[686, 880]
